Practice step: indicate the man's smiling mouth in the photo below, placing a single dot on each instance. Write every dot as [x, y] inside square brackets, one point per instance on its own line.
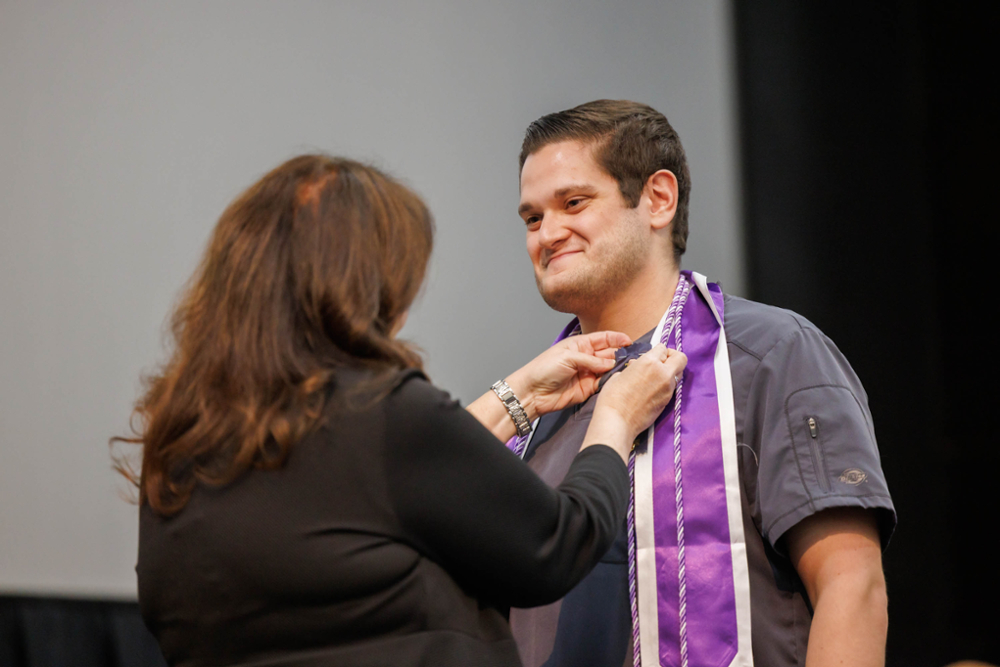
[560, 255]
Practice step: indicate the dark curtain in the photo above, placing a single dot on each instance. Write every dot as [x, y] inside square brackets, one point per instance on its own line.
[869, 145]
[48, 632]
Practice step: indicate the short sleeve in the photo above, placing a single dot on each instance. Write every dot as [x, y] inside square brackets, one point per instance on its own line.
[817, 447]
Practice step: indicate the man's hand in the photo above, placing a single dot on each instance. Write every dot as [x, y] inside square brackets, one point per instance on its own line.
[838, 556]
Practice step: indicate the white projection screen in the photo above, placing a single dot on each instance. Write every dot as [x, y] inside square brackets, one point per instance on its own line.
[126, 128]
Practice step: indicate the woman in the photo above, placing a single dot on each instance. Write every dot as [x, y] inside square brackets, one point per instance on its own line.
[308, 497]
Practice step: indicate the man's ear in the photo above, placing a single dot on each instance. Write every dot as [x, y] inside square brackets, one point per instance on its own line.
[661, 190]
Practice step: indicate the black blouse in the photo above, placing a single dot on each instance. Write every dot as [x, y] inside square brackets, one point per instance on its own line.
[398, 534]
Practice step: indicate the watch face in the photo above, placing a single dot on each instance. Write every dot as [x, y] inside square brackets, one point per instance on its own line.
[503, 390]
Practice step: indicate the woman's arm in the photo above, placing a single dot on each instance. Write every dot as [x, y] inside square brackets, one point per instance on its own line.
[500, 531]
[469, 504]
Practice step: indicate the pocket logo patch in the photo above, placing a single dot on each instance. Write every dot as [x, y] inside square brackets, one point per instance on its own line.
[853, 476]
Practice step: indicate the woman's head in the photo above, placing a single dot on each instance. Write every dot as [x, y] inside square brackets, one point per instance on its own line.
[331, 248]
[313, 268]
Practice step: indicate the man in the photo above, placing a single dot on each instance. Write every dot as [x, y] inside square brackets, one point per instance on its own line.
[759, 505]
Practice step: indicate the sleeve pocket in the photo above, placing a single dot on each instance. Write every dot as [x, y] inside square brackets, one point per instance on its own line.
[834, 443]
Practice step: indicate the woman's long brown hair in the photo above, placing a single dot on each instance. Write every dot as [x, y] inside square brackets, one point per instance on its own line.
[308, 271]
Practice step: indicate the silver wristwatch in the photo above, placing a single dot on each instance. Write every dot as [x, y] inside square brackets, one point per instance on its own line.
[514, 409]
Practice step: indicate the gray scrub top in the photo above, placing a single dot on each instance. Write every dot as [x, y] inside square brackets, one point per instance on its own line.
[806, 443]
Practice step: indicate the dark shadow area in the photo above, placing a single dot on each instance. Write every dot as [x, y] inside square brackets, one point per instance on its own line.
[869, 139]
[52, 632]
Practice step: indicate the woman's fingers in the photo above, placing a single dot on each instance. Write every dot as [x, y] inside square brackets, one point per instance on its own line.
[675, 362]
[644, 388]
[593, 363]
[599, 340]
[600, 345]
[656, 356]
[671, 364]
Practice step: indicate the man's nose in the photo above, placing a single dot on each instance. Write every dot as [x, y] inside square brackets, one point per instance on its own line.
[552, 231]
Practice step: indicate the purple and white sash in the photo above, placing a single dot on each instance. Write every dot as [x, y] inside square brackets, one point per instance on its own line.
[688, 573]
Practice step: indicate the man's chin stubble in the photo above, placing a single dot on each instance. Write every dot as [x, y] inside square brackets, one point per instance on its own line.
[608, 273]
[569, 299]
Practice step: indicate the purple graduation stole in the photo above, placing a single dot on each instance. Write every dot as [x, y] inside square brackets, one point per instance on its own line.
[688, 574]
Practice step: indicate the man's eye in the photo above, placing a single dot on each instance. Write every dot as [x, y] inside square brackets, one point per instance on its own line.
[532, 220]
[573, 202]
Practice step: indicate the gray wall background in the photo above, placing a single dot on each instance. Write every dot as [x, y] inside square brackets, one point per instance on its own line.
[126, 128]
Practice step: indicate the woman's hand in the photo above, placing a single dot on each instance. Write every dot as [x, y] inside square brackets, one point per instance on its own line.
[632, 400]
[567, 373]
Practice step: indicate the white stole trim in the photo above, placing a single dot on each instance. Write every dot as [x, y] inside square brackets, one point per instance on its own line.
[737, 540]
[649, 628]
[645, 543]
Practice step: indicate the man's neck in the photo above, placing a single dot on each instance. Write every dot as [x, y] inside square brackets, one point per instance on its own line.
[636, 310]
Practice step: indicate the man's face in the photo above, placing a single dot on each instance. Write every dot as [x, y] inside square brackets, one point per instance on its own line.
[585, 244]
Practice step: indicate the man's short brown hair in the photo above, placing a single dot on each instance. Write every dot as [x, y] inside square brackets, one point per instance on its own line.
[631, 142]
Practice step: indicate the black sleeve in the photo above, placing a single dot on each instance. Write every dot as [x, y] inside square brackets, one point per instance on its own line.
[470, 504]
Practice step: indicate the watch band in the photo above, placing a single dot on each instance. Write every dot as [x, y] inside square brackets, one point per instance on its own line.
[514, 409]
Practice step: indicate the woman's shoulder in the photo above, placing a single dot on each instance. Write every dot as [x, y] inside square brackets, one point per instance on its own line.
[413, 389]
[361, 389]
